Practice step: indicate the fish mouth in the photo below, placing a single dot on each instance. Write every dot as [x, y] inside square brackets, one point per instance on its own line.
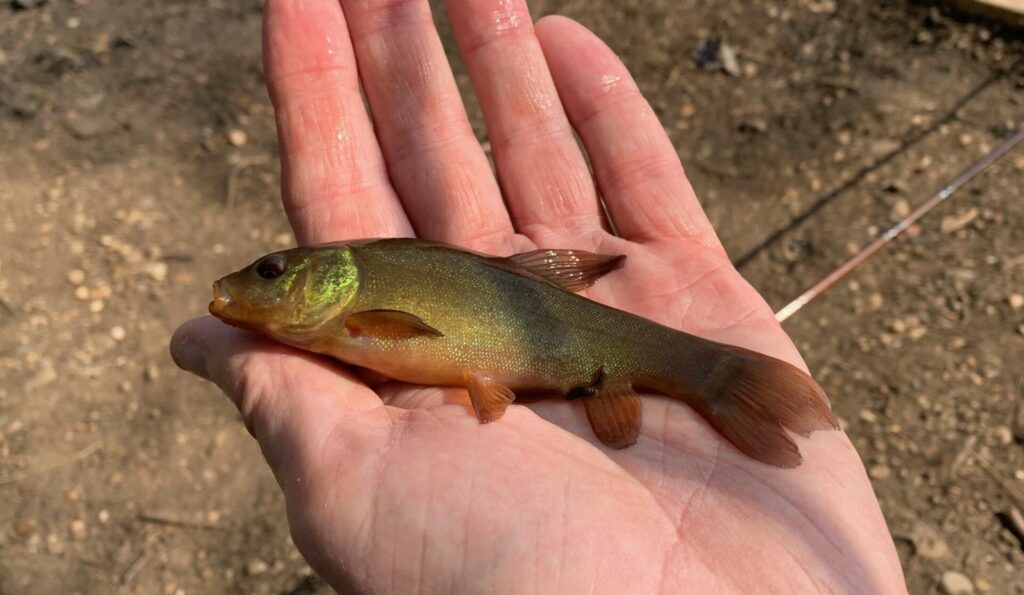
[221, 298]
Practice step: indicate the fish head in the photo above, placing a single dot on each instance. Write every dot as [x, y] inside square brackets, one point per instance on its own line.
[290, 294]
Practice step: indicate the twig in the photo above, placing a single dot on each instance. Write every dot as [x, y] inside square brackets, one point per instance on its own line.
[876, 245]
[135, 567]
[837, 84]
[1012, 491]
[7, 307]
[725, 172]
[1012, 263]
[238, 164]
[1014, 521]
[73, 458]
[966, 451]
[159, 519]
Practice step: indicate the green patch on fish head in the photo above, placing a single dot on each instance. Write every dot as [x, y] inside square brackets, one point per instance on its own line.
[288, 294]
[332, 282]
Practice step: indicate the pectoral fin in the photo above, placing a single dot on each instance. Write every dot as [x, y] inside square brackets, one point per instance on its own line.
[615, 413]
[490, 398]
[388, 324]
[572, 270]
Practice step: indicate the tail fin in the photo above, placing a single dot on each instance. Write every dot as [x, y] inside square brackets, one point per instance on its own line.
[751, 399]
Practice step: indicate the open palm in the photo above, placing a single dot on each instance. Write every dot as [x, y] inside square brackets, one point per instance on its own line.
[398, 488]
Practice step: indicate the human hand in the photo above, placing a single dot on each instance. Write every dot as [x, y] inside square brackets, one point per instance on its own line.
[398, 487]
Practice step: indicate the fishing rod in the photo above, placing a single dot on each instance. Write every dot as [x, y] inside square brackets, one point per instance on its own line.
[878, 243]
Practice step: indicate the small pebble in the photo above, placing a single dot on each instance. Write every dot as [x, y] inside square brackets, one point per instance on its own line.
[25, 527]
[82, 292]
[76, 276]
[103, 516]
[96, 306]
[237, 137]
[956, 583]
[954, 223]
[54, 545]
[256, 567]
[868, 416]
[156, 270]
[1016, 301]
[118, 333]
[1003, 435]
[78, 529]
[900, 209]
[931, 546]
[879, 471]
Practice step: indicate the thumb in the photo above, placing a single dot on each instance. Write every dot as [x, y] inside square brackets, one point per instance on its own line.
[298, 406]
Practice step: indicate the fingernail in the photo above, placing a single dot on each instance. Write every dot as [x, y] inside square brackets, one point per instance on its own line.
[188, 353]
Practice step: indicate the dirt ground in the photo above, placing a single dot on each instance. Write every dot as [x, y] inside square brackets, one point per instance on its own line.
[138, 162]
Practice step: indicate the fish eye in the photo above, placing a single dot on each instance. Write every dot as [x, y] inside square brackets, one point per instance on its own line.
[271, 267]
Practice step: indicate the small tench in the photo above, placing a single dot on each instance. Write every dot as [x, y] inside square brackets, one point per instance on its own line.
[429, 313]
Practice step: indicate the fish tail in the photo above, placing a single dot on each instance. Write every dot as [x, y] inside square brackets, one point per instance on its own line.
[752, 399]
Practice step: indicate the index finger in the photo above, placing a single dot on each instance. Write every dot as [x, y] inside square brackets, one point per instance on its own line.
[335, 184]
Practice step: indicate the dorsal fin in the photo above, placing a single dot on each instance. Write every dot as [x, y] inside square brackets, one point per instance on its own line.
[572, 270]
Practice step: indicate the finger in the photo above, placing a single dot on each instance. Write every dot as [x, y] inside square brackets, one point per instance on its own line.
[637, 169]
[544, 176]
[295, 404]
[434, 159]
[334, 181]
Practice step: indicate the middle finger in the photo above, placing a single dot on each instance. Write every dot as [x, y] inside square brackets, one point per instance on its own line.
[547, 183]
[433, 157]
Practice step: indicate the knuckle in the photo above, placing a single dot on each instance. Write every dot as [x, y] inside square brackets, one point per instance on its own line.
[250, 386]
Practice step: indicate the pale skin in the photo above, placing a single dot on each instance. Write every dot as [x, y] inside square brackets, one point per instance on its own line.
[398, 488]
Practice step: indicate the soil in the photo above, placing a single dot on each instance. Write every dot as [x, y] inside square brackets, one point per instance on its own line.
[133, 133]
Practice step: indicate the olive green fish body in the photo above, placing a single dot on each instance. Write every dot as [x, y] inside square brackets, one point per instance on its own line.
[432, 314]
[528, 335]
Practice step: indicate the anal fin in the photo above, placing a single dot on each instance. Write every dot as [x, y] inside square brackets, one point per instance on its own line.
[489, 398]
[615, 413]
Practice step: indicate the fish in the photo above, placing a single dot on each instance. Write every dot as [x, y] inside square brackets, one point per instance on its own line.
[429, 313]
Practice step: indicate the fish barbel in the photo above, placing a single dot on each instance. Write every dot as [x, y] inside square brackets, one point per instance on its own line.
[429, 313]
